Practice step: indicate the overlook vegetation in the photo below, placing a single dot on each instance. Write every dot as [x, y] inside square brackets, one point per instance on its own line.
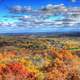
[26, 58]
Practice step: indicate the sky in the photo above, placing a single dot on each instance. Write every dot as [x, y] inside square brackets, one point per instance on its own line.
[4, 4]
[38, 3]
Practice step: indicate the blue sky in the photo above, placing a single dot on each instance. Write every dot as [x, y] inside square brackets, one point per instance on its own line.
[37, 3]
[34, 3]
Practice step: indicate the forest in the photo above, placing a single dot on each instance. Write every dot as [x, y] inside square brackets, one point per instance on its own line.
[27, 58]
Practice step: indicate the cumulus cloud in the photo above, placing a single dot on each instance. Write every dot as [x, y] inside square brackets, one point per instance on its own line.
[29, 21]
[25, 18]
[20, 9]
[7, 24]
[15, 9]
[44, 17]
[26, 9]
[50, 8]
[73, 0]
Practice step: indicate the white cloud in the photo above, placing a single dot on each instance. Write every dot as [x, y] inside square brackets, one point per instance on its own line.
[26, 8]
[16, 9]
[43, 20]
[73, 0]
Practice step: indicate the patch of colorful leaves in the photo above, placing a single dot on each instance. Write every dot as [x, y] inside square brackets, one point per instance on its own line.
[51, 65]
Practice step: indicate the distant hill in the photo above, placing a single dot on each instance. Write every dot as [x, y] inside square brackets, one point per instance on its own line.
[45, 34]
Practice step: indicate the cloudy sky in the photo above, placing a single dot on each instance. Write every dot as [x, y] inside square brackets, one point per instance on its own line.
[34, 3]
[36, 23]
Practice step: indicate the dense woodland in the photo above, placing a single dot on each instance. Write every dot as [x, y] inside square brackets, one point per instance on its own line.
[28, 58]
